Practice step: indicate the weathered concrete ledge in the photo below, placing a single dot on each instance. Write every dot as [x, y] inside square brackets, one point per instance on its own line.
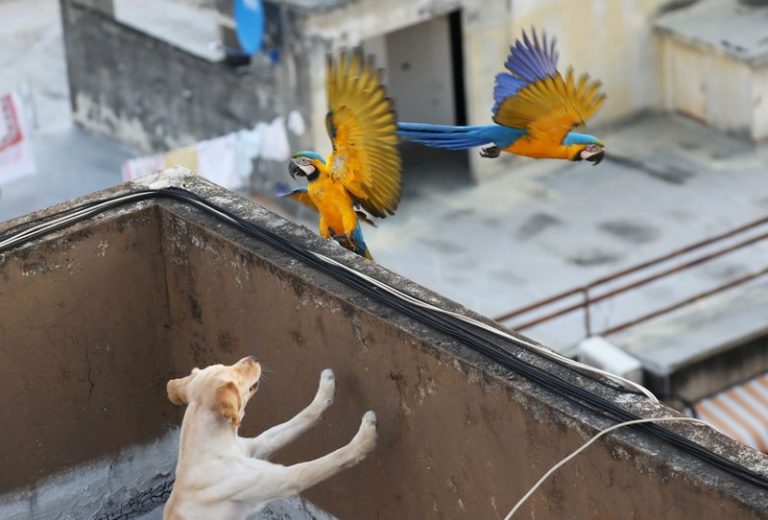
[97, 317]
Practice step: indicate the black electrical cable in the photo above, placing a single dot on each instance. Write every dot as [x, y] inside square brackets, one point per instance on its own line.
[117, 200]
[465, 334]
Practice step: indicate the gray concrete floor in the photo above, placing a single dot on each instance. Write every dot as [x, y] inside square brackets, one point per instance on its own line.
[70, 161]
[290, 509]
[546, 226]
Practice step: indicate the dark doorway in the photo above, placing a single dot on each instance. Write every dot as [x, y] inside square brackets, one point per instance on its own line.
[424, 74]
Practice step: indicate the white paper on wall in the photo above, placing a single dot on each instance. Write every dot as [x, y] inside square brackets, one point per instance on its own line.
[17, 158]
[225, 160]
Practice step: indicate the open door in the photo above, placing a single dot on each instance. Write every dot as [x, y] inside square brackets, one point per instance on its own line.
[424, 74]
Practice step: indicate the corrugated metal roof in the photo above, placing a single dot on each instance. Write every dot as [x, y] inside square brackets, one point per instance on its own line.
[740, 412]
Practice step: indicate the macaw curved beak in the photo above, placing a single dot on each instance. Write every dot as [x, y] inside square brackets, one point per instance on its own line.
[301, 166]
[294, 169]
[593, 153]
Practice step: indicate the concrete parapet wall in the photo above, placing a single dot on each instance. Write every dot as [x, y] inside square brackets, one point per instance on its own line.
[97, 317]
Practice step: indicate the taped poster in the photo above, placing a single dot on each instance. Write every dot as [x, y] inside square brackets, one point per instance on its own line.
[17, 157]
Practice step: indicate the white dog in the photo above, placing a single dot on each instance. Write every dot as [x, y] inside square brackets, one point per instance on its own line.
[221, 475]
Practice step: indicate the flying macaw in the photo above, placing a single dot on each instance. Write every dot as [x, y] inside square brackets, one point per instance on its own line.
[535, 110]
[364, 170]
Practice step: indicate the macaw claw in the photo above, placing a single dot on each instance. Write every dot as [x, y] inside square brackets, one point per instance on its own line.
[346, 242]
[343, 240]
[490, 152]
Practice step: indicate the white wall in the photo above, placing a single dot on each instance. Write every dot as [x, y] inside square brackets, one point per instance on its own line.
[612, 40]
[707, 85]
[420, 72]
[760, 101]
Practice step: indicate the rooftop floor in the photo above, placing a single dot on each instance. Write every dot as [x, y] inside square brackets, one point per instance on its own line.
[542, 227]
[705, 328]
[548, 226]
[70, 162]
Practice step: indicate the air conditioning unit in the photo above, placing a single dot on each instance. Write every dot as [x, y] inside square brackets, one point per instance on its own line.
[601, 353]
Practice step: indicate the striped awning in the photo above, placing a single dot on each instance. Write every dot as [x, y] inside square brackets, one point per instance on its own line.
[741, 412]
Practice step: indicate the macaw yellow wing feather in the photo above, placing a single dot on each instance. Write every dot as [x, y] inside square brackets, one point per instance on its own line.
[362, 125]
[551, 107]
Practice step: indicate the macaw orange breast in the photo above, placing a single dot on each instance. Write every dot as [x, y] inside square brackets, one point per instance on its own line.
[331, 199]
[538, 149]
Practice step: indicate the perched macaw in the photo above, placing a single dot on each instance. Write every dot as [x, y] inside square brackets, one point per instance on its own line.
[535, 110]
[364, 168]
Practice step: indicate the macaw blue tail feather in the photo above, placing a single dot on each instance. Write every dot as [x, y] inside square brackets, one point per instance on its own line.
[458, 137]
[362, 248]
[443, 136]
[355, 242]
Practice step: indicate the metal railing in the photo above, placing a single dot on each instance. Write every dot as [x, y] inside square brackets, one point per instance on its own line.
[589, 296]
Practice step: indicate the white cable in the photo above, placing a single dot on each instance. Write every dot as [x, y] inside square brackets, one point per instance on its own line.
[545, 352]
[587, 445]
[31, 231]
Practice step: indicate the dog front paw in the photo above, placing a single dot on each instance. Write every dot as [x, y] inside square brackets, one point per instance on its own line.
[365, 440]
[327, 389]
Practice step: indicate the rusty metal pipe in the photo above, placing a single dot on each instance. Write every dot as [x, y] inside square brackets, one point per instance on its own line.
[678, 268]
[687, 301]
[633, 269]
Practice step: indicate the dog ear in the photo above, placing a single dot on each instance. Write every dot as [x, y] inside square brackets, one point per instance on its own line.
[227, 402]
[177, 388]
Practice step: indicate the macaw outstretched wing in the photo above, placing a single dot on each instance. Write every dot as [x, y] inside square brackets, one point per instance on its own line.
[534, 96]
[302, 196]
[362, 125]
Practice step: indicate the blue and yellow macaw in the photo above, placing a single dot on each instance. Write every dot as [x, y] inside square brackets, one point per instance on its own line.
[535, 110]
[363, 172]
